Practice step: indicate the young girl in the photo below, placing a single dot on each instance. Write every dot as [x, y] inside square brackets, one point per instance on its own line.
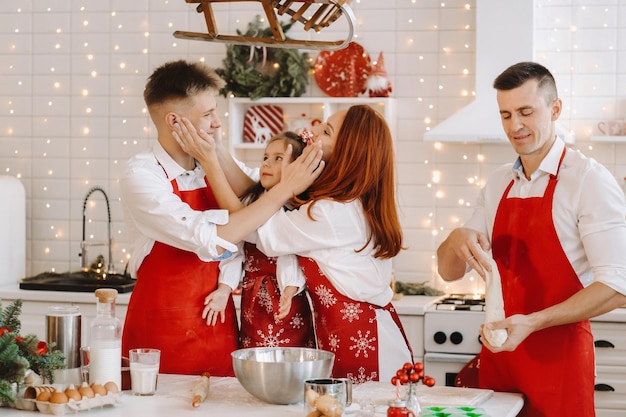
[266, 278]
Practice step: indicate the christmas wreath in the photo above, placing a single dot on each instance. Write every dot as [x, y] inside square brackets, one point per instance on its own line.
[20, 354]
[257, 72]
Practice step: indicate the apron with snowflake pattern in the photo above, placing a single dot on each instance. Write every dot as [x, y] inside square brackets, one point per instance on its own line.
[260, 294]
[536, 274]
[346, 327]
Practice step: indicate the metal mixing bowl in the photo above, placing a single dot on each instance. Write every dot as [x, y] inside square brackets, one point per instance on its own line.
[276, 374]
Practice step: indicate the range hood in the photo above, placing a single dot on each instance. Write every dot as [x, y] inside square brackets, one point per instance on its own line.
[504, 36]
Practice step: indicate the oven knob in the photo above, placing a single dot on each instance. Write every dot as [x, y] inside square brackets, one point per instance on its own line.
[456, 338]
[440, 338]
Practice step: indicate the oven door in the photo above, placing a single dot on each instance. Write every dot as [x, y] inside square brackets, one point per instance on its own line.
[445, 366]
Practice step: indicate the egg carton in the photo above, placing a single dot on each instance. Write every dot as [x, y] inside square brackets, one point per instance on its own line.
[72, 406]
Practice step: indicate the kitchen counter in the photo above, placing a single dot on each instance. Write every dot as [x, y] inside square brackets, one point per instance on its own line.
[228, 397]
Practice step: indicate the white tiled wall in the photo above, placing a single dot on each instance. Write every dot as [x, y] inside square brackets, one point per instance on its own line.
[72, 74]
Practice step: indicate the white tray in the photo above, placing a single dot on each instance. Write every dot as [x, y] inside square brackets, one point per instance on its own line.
[72, 406]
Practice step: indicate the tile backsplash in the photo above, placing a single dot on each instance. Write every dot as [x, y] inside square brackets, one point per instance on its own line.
[73, 73]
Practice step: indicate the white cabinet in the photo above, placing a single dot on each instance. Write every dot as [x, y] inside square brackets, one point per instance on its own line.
[294, 109]
[413, 326]
[610, 341]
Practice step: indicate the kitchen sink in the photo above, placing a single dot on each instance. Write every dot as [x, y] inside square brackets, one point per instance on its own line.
[81, 281]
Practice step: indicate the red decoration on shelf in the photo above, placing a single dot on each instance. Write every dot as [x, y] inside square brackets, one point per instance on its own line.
[343, 73]
[378, 84]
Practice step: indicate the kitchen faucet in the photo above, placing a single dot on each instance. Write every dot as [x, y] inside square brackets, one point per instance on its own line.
[84, 263]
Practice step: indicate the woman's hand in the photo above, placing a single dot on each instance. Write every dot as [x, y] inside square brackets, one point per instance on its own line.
[215, 304]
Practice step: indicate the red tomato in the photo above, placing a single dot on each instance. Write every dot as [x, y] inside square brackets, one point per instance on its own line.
[407, 367]
[419, 366]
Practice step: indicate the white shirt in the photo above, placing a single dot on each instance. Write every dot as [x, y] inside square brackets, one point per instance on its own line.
[288, 271]
[154, 213]
[332, 240]
[589, 212]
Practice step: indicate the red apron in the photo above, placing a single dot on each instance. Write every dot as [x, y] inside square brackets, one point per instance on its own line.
[553, 367]
[259, 303]
[346, 327]
[165, 309]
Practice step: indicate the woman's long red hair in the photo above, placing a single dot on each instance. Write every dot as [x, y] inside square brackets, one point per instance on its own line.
[362, 167]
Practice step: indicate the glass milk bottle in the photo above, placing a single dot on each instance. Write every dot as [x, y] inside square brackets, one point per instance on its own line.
[105, 353]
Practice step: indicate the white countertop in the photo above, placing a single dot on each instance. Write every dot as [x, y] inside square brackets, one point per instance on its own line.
[228, 398]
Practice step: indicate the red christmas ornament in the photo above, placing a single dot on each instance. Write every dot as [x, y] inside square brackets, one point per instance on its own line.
[378, 85]
[342, 73]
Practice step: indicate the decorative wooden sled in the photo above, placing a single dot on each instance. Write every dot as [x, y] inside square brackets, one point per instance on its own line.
[313, 14]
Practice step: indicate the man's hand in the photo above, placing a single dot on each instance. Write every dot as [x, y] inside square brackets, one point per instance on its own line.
[298, 175]
[463, 246]
[518, 326]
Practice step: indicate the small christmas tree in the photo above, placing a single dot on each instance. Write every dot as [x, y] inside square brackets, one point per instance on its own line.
[19, 354]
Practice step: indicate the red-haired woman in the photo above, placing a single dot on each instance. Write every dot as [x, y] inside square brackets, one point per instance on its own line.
[345, 234]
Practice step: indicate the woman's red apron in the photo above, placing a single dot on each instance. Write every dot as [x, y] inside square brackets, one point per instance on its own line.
[165, 309]
[346, 327]
[259, 304]
[553, 367]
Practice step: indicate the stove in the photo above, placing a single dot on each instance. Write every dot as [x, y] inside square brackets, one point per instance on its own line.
[451, 335]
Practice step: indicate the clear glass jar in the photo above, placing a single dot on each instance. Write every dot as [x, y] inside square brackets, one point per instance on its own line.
[105, 351]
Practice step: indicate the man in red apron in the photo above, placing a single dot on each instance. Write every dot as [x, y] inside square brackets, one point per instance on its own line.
[178, 305]
[552, 220]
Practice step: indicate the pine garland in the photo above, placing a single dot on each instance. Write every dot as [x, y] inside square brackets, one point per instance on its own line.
[19, 354]
[284, 74]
